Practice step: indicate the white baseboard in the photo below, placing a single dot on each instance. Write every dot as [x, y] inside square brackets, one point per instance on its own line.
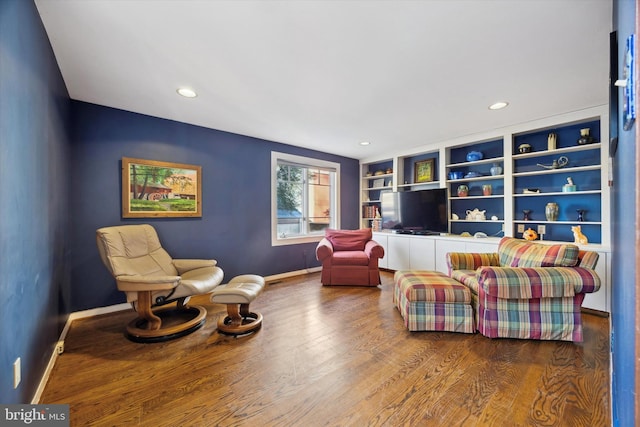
[119, 307]
[54, 354]
[288, 274]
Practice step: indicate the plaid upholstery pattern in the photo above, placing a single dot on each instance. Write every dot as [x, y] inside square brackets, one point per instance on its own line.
[528, 302]
[431, 301]
[470, 261]
[431, 286]
[519, 253]
[538, 318]
[527, 283]
[588, 259]
[467, 278]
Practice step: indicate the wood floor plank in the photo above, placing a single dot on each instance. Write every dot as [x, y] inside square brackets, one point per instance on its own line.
[329, 356]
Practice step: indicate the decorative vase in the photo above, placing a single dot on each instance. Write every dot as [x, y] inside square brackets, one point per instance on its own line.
[585, 138]
[527, 214]
[486, 190]
[580, 214]
[463, 191]
[473, 156]
[551, 211]
[524, 148]
[496, 169]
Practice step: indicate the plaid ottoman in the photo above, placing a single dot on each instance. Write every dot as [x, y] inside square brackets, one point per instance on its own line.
[432, 301]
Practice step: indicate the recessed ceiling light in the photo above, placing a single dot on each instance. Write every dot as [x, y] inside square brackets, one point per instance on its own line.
[186, 92]
[498, 105]
[365, 143]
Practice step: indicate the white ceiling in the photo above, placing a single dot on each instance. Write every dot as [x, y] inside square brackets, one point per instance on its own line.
[328, 74]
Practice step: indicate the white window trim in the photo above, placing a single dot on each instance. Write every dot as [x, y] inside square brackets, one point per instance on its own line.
[275, 156]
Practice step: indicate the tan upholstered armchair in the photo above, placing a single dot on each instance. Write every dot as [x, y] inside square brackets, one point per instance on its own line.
[150, 278]
[349, 257]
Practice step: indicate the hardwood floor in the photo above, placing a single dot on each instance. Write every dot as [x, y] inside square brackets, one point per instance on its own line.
[336, 356]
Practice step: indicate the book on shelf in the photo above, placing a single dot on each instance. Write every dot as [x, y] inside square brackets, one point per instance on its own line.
[369, 211]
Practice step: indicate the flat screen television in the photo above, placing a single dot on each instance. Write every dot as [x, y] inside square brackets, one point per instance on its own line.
[415, 212]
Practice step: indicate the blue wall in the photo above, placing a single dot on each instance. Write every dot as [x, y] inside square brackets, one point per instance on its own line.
[60, 180]
[34, 147]
[235, 227]
[51, 175]
[624, 199]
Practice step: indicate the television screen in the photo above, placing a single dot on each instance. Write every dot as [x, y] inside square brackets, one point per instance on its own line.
[418, 212]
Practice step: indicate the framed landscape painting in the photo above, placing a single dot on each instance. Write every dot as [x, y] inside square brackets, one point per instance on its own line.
[424, 171]
[152, 189]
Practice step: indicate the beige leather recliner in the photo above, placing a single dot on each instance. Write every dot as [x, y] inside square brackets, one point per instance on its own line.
[152, 280]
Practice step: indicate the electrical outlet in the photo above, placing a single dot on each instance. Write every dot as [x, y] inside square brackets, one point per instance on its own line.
[542, 229]
[60, 347]
[16, 373]
[520, 228]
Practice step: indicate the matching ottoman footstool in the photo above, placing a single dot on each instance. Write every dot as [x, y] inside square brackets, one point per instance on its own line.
[432, 301]
[237, 295]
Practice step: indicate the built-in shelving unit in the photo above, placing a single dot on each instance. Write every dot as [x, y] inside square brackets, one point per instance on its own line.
[407, 171]
[583, 169]
[376, 178]
[477, 175]
[587, 167]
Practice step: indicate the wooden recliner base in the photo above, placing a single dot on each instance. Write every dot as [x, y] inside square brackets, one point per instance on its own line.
[239, 320]
[166, 324]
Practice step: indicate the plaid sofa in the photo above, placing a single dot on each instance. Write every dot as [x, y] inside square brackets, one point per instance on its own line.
[528, 290]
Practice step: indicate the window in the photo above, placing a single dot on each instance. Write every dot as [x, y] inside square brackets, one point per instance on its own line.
[304, 198]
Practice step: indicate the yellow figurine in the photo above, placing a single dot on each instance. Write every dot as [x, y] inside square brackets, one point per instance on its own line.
[529, 235]
[578, 237]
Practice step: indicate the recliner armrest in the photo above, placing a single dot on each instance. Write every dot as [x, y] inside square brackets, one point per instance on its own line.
[184, 265]
[146, 283]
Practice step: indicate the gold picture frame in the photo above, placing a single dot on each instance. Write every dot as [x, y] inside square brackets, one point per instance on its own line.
[155, 189]
[424, 171]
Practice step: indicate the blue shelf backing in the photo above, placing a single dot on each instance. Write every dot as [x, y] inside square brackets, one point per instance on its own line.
[489, 149]
[567, 136]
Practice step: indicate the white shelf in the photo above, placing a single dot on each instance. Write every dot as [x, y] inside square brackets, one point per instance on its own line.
[386, 187]
[477, 162]
[493, 196]
[586, 147]
[421, 184]
[386, 175]
[477, 178]
[558, 193]
[533, 221]
[498, 221]
[559, 170]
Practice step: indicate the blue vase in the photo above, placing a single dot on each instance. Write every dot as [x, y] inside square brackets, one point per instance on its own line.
[472, 156]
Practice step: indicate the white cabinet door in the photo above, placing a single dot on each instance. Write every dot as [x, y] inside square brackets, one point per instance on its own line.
[599, 300]
[423, 253]
[444, 246]
[399, 252]
[481, 246]
[382, 241]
